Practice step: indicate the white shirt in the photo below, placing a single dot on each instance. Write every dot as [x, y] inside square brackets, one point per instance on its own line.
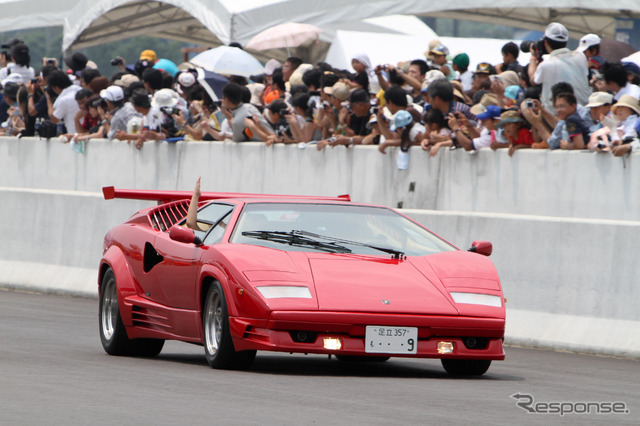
[26, 73]
[563, 65]
[153, 120]
[65, 107]
[226, 130]
[628, 89]
[484, 140]
[415, 131]
[466, 78]
[627, 127]
[402, 160]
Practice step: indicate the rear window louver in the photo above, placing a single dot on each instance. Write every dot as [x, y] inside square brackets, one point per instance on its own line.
[167, 215]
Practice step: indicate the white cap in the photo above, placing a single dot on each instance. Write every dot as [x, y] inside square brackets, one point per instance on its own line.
[597, 99]
[588, 41]
[112, 93]
[186, 79]
[13, 78]
[430, 77]
[165, 98]
[556, 32]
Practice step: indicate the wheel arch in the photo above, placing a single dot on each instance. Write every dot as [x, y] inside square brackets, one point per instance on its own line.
[115, 260]
[208, 276]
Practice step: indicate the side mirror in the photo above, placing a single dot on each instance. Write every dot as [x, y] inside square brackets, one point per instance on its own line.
[183, 235]
[481, 247]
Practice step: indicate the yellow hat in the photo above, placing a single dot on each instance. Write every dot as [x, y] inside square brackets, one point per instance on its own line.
[149, 55]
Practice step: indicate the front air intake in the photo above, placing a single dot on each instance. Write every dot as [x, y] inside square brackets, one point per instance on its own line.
[301, 336]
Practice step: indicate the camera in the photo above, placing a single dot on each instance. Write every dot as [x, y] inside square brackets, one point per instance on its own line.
[141, 65]
[528, 103]
[536, 48]
[284, 112]
[496, 78]
[117, 61]
[169, 111]
[99, 103]
[51, 61]
[603, 141]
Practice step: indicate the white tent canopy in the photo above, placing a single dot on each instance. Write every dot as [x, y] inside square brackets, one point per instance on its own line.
[25, 14]
[92, 22]
[209, 22]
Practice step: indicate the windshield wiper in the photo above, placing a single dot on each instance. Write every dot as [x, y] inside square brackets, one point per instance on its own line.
[297, 240]
[395, 254]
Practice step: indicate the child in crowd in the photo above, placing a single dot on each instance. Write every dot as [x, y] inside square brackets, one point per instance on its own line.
[514, 130]
[411, 133]
[600, 111]
[626, 112]
[437, 129]
[215, 123]
[511, 94]
[439, 57]
[566, 107]
[460, 64]
[488, 121]
[99, 122]
[362, 66]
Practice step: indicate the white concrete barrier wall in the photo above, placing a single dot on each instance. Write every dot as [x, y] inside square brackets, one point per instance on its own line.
[537, 182]
[571, 283]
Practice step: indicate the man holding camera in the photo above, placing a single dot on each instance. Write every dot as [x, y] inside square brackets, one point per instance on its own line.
[232, 101]
[560, 65]
[151, 120]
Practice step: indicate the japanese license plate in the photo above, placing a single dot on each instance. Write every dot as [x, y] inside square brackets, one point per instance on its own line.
[391, 340]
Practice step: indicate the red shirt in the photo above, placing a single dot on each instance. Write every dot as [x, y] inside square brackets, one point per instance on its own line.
[524, 137]
[88, 122]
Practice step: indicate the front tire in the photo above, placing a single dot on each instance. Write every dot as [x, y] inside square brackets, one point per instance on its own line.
[466, 367]
[218, 345]
[113, 334]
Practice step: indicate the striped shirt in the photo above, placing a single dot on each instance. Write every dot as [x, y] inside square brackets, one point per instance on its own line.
[456, 106]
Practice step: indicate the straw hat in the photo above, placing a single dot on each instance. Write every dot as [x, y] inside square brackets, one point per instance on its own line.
[510, 116]
[487, 99]
[627, 101]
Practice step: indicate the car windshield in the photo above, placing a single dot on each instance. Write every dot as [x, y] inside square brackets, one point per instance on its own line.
[334, 228]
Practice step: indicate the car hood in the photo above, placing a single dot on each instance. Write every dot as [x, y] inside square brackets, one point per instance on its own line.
[374, 285]
[365, 283]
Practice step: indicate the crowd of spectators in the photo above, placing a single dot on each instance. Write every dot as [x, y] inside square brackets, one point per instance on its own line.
[561, 99]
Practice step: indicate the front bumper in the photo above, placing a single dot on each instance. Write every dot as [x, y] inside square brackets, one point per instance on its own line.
[275, 334]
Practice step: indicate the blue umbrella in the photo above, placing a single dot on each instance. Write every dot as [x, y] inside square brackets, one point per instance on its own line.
[212, 82]
[166, 65]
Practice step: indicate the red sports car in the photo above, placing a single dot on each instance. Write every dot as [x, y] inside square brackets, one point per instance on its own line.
[295, 274]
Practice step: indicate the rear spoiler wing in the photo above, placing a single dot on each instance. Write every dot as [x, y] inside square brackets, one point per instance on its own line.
[162, 197]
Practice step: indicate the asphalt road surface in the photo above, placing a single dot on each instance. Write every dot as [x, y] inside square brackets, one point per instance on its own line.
[53, 371]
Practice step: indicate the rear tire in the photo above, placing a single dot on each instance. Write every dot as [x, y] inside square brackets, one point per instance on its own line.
[113, 334]
[466, 367]
[218, 345]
